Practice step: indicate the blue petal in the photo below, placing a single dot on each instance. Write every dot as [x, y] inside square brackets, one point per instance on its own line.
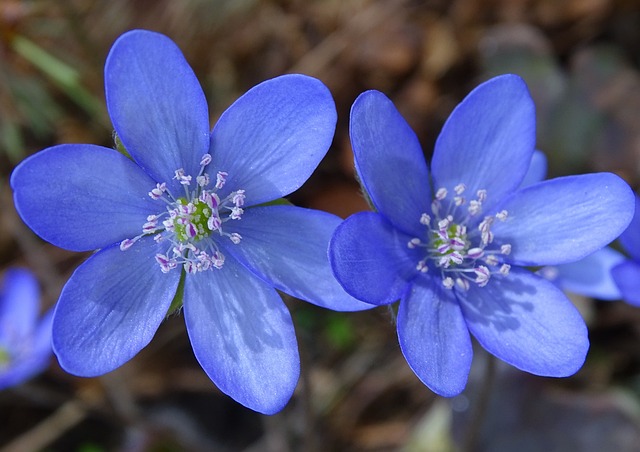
[370, 258]
[110, 308]
[434, 337]
[242, 335]
[487, 141]
[157, 105]
[630, 238]
[590, 276]
[564, 219]
[389, 161]
[528, 322]
[82, 197]
[537, 169]
[627, 277]
[287, 247]
[33, 355]
[19, 304]
[273, 137]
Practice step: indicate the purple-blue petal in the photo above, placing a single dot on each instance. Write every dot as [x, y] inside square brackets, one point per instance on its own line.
[271, 139]
[287, 247]
[111, 308]
[370, 258]
[488, 140]
[537, 169]
[590, 276]
[630, 238]
[564, 219]
[19, 303]
[389, 161]
[243, 336]
[156, 105]
[434, 337]
[527, 322]
[33, 355]
[627, 277]
[82, 197]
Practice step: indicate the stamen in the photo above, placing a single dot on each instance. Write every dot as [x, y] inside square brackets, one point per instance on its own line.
[190, 221]
[462, 257]
[502, 215]
[447, 282]
[157, 192]
[441, 194]
[459, 189]
[181, 177]
[221, 178]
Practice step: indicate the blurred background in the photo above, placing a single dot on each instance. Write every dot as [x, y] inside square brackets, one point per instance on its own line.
[581, 60]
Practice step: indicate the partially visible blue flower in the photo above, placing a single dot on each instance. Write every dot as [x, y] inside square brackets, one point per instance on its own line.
[455, 254]
[25, 337]
[627, 274]
[189, 216]
[590, 276]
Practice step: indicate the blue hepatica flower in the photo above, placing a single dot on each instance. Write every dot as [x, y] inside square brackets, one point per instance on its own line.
[454, 254]
[25, 338]
[189, 202]
[590, 276]
[627, 273]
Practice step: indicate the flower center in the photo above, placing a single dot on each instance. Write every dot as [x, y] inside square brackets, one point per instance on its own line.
[461, 255]
[189, 222]
[5, 358]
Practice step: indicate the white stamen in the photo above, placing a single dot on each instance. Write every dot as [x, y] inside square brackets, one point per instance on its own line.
[447, 282]
[221, 178]
[502, 215]
[206, 159]
[482, 275]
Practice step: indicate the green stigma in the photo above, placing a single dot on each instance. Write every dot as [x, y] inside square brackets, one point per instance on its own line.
[192, 225]
[5, 357]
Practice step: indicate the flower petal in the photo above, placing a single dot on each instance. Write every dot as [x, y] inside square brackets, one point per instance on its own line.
[82, 197]
[537, 169]
[33, 356]
[370, 258]
[434, 337]
[19, 304]
[287, 247]
[110, 308]
[627, 277]
[528, 322]
[273, 137]
[389, 161]
[564, 219]
[487, 141]
[630, 238]
[157, 105]
[243, 337]
[590, 276]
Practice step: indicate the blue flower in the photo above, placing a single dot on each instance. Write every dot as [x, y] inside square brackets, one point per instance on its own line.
[188, 216]
[627, 273]
[454, 254]
[25, 339]
[590, 276]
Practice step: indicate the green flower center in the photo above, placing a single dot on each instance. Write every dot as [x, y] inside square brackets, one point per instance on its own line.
[190, 223]
[5, 357]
